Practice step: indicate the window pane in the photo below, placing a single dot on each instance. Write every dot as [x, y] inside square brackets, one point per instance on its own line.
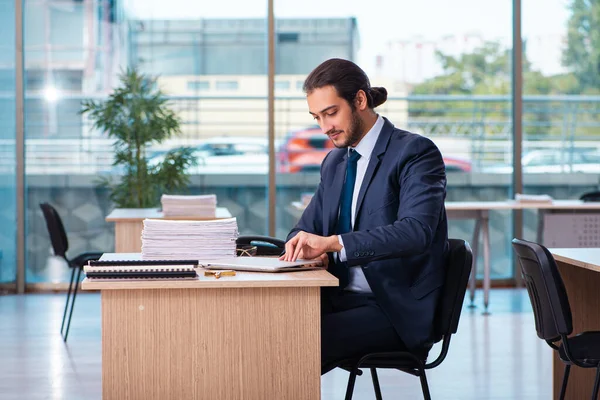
[8, 205]
[561, 114]
[211, 64]
[447, 71]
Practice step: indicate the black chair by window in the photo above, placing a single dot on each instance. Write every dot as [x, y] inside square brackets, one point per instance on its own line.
[552, 312]
[60, 245]
[265, 245]
[448, 314]
[590, 197]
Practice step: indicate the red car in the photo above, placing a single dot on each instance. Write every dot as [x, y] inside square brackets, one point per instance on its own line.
[305, 149]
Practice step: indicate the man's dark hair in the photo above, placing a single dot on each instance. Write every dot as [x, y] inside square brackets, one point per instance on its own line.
[347, 78]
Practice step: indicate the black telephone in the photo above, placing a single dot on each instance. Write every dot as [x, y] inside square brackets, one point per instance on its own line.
[265, 245]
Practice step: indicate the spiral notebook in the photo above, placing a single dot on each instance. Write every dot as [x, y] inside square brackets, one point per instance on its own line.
[141, 269]
[143, 275]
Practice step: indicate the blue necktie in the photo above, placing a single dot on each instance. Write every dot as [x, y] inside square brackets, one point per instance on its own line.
[345, 219]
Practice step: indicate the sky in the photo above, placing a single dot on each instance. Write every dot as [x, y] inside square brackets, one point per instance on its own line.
[382, 21]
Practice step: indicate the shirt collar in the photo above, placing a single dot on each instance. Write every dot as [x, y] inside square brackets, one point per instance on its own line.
[367, 143]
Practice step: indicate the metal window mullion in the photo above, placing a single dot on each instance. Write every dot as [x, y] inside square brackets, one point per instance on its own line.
[517, 115]
[20, 146]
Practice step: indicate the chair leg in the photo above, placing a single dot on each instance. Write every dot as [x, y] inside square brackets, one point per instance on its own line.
[424, 385]
[376, 386]
[73, 303]
[596, 384]
[563, 388]
[62, 326]
[351, 381]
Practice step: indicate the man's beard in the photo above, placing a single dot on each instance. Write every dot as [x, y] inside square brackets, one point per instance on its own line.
[354, 132]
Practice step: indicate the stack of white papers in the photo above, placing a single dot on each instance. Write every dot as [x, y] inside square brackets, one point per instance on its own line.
[189, 206]
[533, 198]
[189, 240]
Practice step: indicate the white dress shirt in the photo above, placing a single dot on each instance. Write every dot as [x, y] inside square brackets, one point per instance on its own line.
[357, 281]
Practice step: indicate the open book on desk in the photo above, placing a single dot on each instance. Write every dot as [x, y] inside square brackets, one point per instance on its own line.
[262, 264]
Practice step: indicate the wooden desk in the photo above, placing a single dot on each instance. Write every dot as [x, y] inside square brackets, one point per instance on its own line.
[252, 336]
[129, 223]
[580, 270]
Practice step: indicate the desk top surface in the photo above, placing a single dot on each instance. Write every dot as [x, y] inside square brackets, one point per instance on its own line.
[241, 280]
[588, 258]
[140, 214]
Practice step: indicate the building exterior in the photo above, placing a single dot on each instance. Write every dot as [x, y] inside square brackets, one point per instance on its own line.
[238, 46]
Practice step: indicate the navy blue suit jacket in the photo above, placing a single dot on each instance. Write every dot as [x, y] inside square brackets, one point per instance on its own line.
[400, 236]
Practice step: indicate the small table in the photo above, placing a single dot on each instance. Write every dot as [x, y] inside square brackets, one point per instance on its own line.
[253, 335]
[580, 271]
[129, 223]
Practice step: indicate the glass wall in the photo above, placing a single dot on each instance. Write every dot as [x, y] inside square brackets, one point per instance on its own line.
[448, 77]
[210, 62]
[561, 113]
[8, 207]
[446, 66]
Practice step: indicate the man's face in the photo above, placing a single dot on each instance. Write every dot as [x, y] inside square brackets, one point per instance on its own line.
[334, 115]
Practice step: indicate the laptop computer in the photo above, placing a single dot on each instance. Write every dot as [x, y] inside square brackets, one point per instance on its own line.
[262, 264]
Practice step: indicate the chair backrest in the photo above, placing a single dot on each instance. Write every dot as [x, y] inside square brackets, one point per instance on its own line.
[590, 196]
[265, 245]
[546, 290]
[460, 261]
[56, 230]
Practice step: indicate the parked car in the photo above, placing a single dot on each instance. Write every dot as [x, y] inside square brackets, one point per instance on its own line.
[305, 149]
[549, 161]
[226, 154]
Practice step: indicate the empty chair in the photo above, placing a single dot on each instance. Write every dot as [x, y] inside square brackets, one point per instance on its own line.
[446, 323]
[590, 196]
[60, 245]
[552, 313]
[265, 245]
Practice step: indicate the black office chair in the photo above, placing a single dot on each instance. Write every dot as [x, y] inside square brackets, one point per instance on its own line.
[590, 196]
[265, 245]
[448, 313]
[60, 245]
[552, 312]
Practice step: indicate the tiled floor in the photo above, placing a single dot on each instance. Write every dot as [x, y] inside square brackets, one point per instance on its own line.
[491, 357]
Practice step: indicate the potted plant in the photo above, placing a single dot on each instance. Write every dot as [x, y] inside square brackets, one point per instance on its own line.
[136, 115]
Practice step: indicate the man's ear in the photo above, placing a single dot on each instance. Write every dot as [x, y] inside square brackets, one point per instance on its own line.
[360, 101]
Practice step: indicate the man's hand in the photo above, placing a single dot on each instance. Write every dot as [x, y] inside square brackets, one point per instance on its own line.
[308, 246]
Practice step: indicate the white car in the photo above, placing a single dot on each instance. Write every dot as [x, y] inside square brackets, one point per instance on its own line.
[228, 155]
[554, 161]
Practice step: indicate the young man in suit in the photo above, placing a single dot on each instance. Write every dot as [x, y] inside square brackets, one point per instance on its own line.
[377, 220]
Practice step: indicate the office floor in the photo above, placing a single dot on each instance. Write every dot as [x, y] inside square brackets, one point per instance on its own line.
[491, 357]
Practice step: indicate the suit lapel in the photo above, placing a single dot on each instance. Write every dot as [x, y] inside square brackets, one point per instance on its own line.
[377, 155]
[334, 194]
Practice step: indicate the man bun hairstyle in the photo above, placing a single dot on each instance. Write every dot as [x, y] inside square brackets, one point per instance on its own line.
[378, 96]
[347, 78]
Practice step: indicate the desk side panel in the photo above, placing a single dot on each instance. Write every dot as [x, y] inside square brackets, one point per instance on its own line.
[128, 236]
[245, 343]
[584, 298]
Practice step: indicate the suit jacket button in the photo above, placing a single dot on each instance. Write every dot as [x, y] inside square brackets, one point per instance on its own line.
[356, 254]
[371, 253]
